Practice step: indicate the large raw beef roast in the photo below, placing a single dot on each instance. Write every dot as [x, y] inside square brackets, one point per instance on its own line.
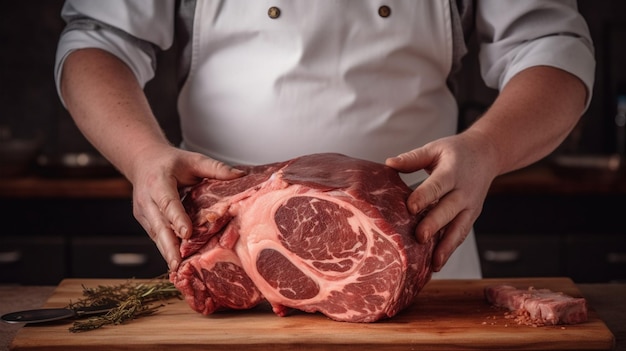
[320, 233]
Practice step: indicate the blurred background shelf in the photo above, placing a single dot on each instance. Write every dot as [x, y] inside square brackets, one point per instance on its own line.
[538, 179]
[33, 186]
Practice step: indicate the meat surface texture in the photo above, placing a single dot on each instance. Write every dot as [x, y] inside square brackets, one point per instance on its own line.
[320, 233]
[538, 307]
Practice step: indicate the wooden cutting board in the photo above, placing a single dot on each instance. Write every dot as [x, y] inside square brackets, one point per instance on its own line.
[447, 315]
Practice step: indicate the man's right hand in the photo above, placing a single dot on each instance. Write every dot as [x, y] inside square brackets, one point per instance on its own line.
[157, 179]
[110, 108]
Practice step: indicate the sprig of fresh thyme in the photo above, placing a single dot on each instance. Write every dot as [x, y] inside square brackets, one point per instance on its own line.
[133, 300]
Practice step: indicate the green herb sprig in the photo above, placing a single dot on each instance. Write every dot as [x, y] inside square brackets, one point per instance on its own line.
[133, 300]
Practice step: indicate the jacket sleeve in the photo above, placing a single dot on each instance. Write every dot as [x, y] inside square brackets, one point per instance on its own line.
[132, 30]
[515, 35]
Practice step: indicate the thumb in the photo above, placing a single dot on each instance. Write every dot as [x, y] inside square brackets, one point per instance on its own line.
[219, 170]
[411, 161]
[209, 168]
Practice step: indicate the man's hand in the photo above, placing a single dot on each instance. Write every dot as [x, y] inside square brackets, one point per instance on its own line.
[115, 116]
[531, 116]
[157, 206]
[460, 172]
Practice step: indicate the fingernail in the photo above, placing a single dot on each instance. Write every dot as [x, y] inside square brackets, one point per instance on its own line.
[436, 265]
[439, 262]
[422, 237]
[237, 170]
[184, 231]
[173, 265]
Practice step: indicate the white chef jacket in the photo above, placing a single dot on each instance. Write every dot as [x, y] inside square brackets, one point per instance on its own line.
[266, 81]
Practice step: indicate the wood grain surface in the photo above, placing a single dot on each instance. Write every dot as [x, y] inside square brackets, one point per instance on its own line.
[447, 315]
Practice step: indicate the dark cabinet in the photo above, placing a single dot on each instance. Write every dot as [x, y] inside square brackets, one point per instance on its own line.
[80, 238]
[46, 260]
[115, 257]
[515, 255]
[577, 235]
[32, 260]
[586, 258]
[596, 258]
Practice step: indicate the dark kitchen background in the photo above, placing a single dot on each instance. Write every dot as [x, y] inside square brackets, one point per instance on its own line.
[66, 213]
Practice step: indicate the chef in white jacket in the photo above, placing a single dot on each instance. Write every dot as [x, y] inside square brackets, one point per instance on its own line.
[265, 81]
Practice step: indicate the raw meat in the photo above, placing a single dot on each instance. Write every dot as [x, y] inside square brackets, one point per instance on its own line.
[538, 307]
[320, 233]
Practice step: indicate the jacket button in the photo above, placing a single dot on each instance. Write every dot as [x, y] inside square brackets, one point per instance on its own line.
[384, 11]
[273, 12]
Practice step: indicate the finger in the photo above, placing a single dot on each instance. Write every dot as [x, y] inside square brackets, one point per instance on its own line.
[438, 216]
[164, 237]
[411, 161]
[431, 190]
[453, 236]
[215, 169]
[169, 246]
[172, 208]
[160, 232]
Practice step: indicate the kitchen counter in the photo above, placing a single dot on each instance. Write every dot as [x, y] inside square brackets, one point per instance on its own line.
[606, 299]
[39, 187]
[537, 179]
[15, 298]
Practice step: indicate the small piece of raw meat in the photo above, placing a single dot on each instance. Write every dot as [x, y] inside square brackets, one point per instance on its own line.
[538, 307]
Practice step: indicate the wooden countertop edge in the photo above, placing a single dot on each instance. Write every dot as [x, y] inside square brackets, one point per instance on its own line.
[539, 179]
[542, 179]
[37, 187]
[604, 298]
